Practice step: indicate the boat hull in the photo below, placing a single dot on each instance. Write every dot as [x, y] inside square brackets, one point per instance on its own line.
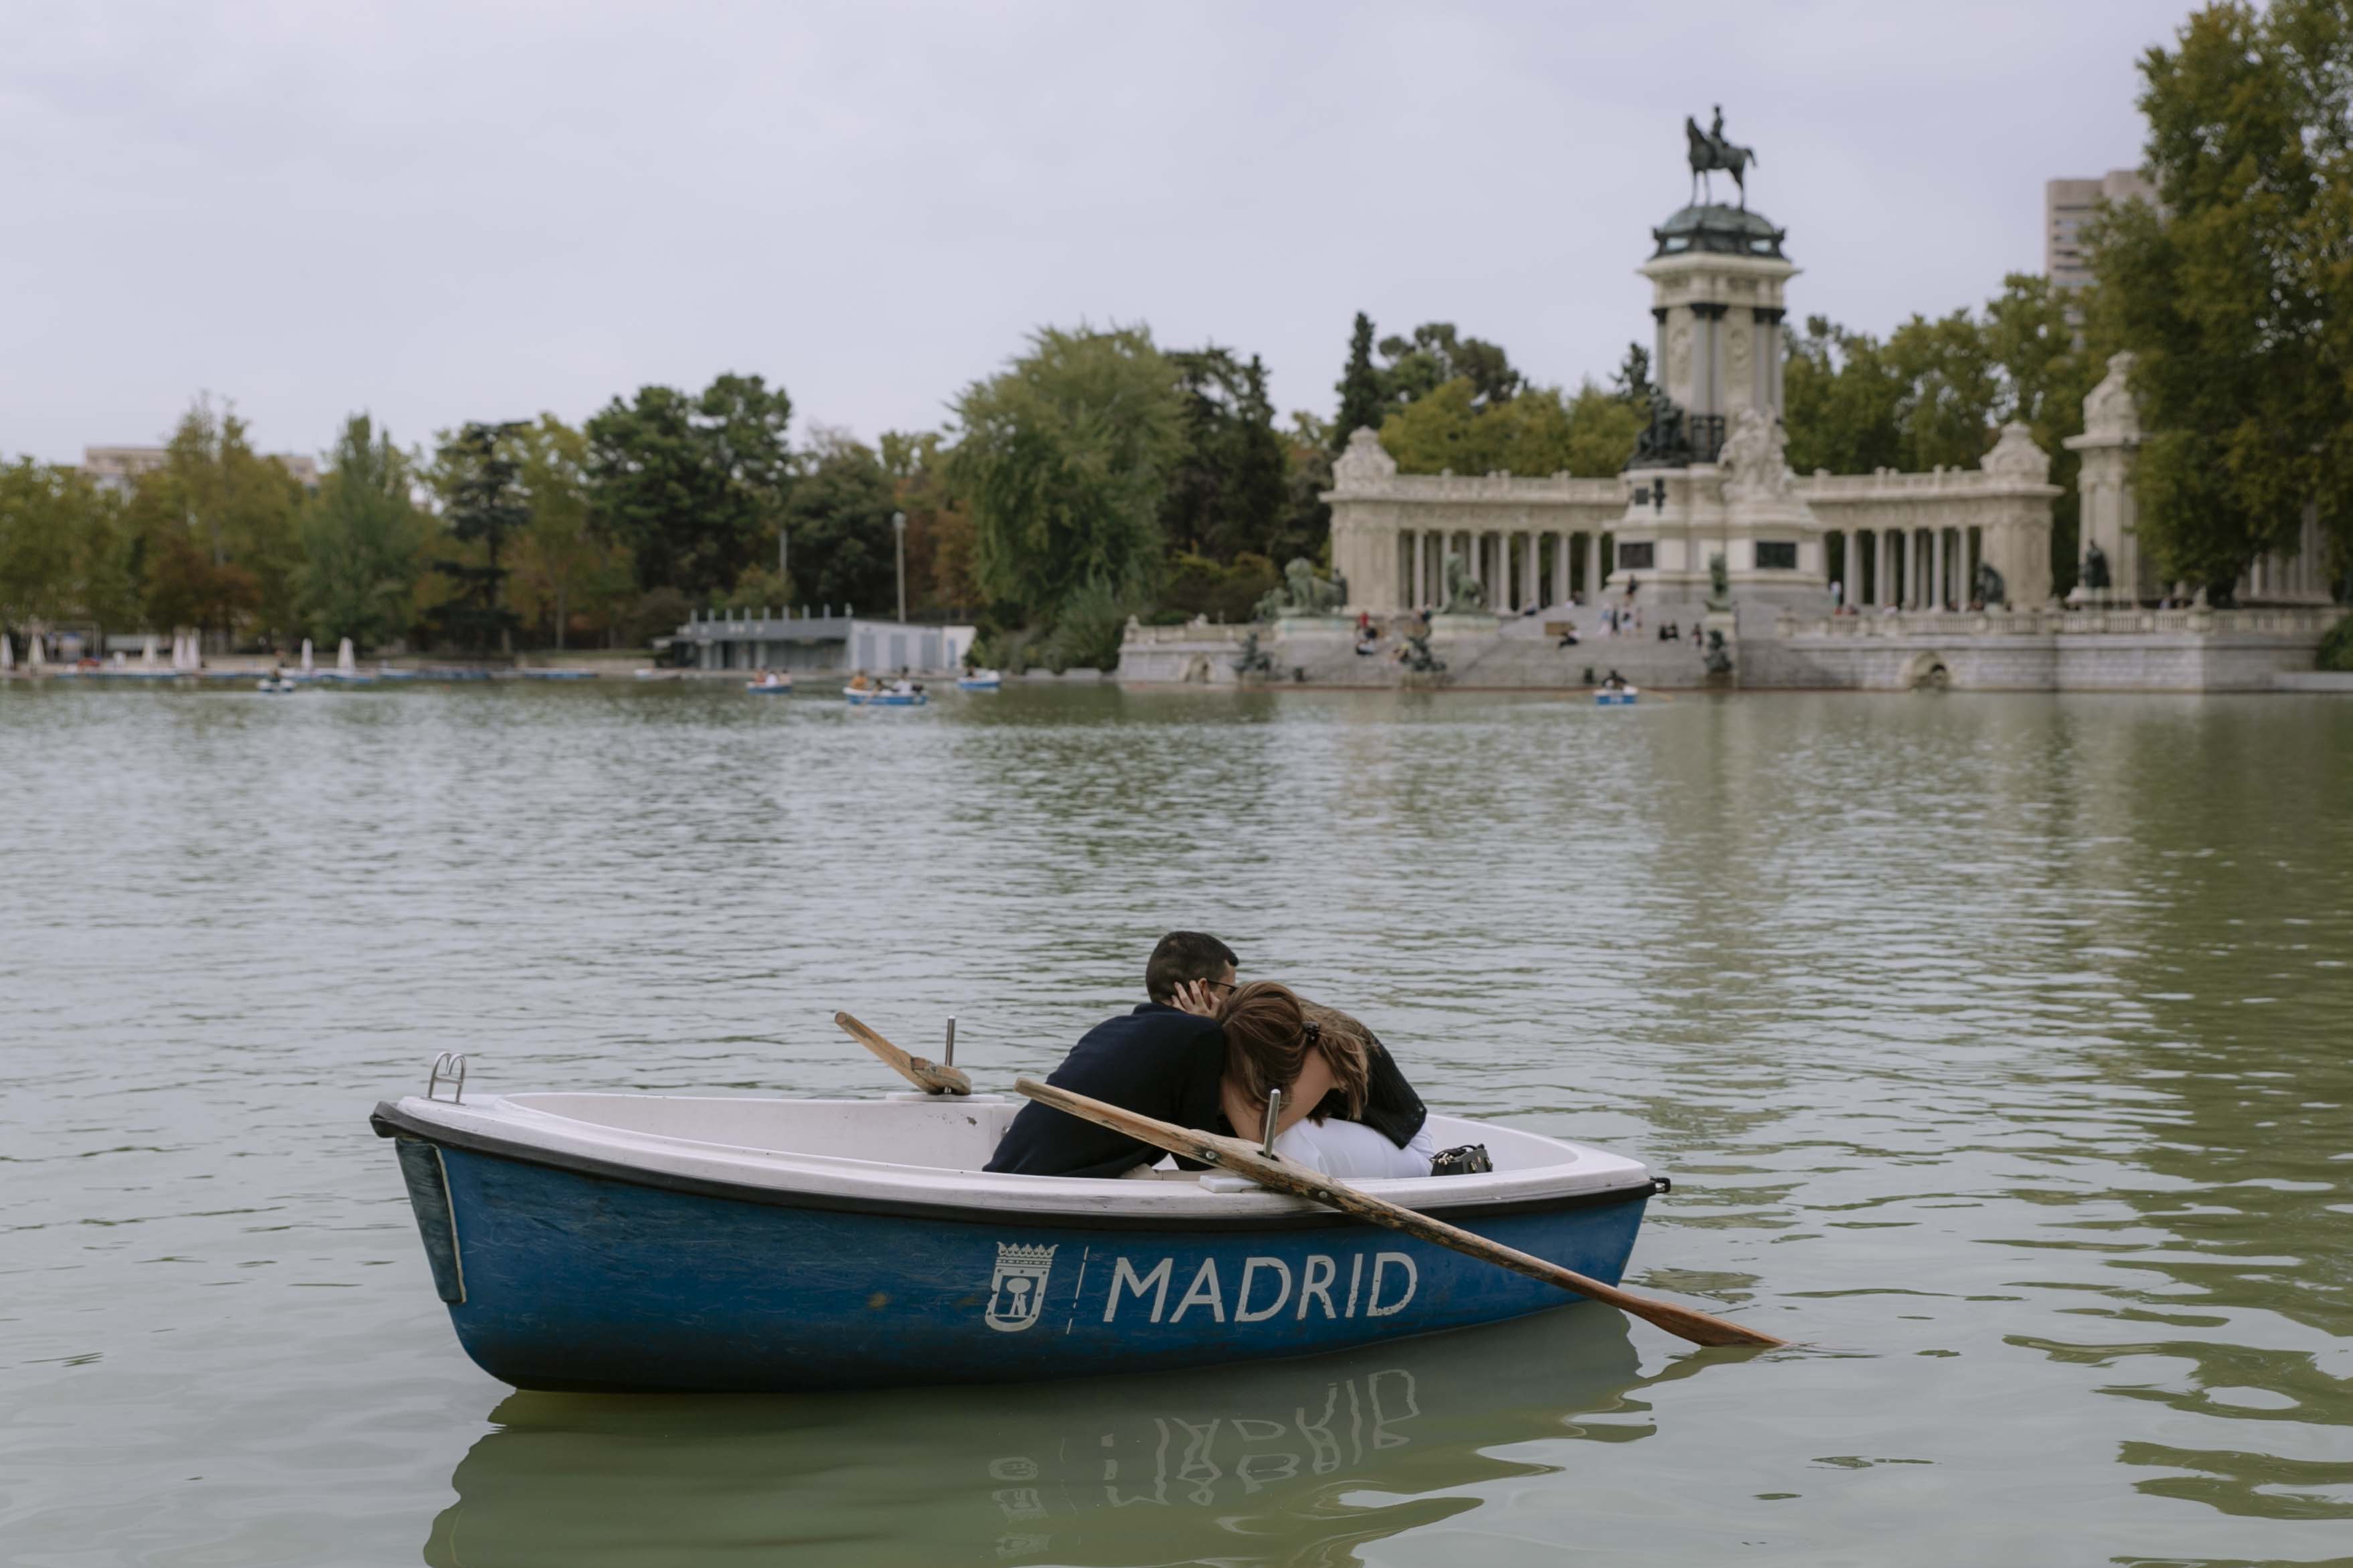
[563, 1279]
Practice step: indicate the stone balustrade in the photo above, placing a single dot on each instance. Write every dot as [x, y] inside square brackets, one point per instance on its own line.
[2284, 620]
[1140, 636]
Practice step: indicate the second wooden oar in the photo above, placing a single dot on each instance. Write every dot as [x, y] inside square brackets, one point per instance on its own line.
[932, 1077]
[1246, 1160]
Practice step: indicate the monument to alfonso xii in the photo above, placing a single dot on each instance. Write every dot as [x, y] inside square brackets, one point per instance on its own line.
[1707, 477]
[1944, 576]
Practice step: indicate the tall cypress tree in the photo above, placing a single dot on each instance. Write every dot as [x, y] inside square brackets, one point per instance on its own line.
[1361, 399]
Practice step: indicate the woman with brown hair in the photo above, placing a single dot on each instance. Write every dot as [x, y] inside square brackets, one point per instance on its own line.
[1346, 1108]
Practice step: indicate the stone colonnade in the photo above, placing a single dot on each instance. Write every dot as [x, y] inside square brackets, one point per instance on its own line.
[1908, 568]
[1521, 569]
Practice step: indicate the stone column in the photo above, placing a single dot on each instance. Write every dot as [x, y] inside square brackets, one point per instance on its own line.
[1535, 571]
[1593, 567]
[1560, 546]
[1937, 568]
[1886, 584]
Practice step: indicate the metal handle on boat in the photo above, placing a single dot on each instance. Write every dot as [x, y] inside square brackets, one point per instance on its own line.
[1273, 1110]
[947, 1052]
[452, 1065]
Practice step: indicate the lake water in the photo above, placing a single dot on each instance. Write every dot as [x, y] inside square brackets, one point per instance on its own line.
[2001, 1049]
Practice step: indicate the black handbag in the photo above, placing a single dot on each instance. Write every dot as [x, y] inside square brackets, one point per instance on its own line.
[1468, 1160]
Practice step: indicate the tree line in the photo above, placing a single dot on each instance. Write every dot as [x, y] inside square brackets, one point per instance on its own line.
[1099, 475]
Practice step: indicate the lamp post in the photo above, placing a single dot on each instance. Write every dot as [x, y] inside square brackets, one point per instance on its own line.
[899, 533]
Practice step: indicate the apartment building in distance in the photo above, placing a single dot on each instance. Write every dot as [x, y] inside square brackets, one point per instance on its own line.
[118, 469]
[2067, 206]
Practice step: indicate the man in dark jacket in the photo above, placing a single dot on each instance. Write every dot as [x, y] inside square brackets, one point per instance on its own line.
[1163, 1059]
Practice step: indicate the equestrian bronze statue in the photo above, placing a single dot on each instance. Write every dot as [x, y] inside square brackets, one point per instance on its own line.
[1709, 150]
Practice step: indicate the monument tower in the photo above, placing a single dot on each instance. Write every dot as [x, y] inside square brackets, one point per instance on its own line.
[1708, 474]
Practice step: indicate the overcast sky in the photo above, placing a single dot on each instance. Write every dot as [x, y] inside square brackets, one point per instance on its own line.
[438, 213]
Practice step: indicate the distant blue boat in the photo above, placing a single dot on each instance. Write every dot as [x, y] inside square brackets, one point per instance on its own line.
[610, 1241]
[981, 680]
[770, 688]
[858, 698]
[557, 674]
[1622, 697]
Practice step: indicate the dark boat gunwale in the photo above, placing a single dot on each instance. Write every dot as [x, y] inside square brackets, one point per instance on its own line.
[390, 1122]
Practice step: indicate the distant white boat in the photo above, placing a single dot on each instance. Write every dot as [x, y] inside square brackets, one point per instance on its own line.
[980, 680]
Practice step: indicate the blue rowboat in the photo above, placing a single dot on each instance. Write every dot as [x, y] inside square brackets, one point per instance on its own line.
[884, 699]
[981, 680]
[612, 1241]
[769, 687]
[1605, 698]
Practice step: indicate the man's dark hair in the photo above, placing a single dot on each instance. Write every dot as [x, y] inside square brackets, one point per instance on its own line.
[1183, 955]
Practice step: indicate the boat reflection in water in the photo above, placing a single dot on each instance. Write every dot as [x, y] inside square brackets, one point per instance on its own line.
[1235, 1464]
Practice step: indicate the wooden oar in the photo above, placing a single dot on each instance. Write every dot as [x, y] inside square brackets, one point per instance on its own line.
[1246, 1160]
[928, 1076]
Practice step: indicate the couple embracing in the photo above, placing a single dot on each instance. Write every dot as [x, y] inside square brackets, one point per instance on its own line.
[1205, 1052]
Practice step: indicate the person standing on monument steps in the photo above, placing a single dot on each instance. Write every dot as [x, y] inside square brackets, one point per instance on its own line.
[1164, 1059]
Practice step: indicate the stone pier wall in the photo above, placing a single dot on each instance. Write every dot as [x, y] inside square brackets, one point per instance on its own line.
[2044, 651]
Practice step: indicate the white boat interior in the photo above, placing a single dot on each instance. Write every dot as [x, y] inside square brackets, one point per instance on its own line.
[930, 1149]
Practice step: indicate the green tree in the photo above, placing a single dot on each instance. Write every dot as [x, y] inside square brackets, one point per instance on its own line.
[2235, 297]
[1363, 403]
[1062, 457]
[838, 519]
[1537, 433]
[65, 551]
[1949, 391]
[2048, 368]
[478, 477]
[217, 527]
[1196, 585]
[362, 541]
[1225, 491]
[695, 487]
[1305, 528]
[939, 527]
[1927, 398]
[1839, 400]
[566, 567]
[1436, 354]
